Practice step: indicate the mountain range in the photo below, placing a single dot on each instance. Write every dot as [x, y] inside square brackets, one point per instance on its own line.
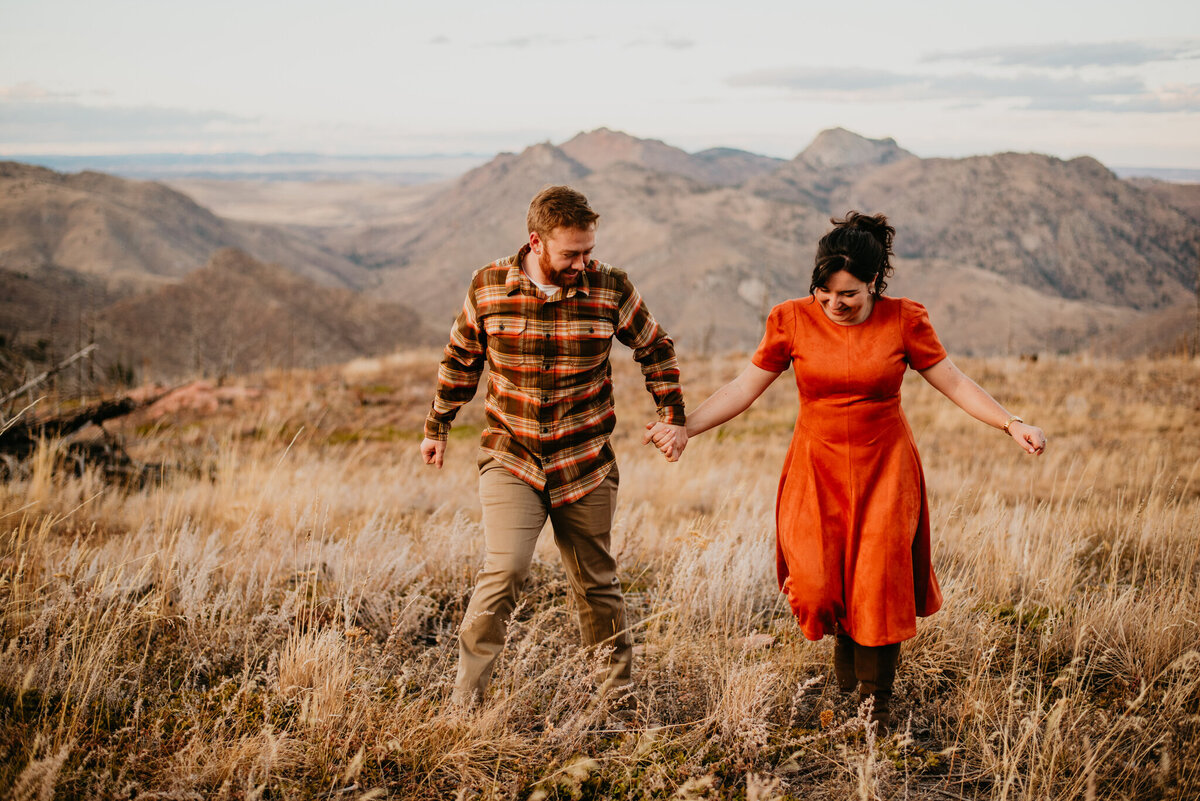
[1013, 252]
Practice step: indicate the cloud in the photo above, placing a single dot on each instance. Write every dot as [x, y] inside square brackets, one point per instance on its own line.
[1031, 85]
[822, 79]
[26, 121]
[516, 41]
[27, 91]
[1095, 54]
[1039, 91]
[667, 42]
[521, 42]
[1170, 99]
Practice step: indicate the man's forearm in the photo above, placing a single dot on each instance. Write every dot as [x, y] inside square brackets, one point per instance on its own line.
[661, 371]
[654, 351]
[459, 371]
[458, 380]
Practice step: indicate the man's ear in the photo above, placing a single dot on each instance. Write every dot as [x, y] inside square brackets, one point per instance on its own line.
[535, 242]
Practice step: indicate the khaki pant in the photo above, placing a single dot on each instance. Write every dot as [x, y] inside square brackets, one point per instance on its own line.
[514, 514]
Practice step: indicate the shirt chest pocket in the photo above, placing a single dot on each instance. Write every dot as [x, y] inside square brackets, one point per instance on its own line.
[506, 339]
[593, 335]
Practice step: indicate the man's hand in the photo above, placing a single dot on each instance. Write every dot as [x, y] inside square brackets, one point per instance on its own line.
[669, 439]
[432, 450]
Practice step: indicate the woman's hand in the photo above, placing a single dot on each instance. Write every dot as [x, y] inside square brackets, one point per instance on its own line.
[1031, 438]
[669, 439]
[947, 379]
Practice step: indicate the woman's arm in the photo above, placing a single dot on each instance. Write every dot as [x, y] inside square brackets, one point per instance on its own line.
[726, 403]
[730, 400]
[947, 379]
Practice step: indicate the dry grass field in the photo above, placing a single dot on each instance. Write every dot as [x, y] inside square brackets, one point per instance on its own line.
[276, 617]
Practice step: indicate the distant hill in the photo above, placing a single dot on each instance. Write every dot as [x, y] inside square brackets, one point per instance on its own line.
[1171, 332]
[234, 315]
[44, 318]
[124, 262]
[1183, 196]
[237, 314]
[1068, 228]
[136, 234]
[1012, 252]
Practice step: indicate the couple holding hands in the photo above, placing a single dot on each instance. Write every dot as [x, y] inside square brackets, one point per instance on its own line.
[852, 520]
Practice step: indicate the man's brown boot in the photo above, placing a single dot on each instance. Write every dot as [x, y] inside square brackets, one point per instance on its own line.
[876, 670]
[843, 663]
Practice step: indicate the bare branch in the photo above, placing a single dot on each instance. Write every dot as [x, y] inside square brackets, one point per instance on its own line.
[33, 382]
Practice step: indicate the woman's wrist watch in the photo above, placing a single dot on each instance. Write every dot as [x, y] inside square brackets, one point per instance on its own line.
[1009, 422]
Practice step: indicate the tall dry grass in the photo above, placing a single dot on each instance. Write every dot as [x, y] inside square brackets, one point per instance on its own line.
[278, 620]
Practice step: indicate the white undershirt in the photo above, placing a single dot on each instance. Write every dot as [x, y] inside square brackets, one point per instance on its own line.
[548, 289]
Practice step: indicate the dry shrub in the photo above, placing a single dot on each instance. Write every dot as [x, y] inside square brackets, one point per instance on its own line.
[314, 667]
[36, 782]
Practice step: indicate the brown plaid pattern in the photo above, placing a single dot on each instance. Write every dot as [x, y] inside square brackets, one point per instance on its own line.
[549, 400]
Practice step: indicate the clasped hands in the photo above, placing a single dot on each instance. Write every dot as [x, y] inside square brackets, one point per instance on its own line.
[669, 439]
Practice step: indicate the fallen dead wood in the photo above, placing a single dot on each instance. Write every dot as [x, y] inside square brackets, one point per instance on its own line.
[19, 438]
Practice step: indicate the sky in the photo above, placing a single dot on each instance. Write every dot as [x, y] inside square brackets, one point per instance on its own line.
[1119, 81]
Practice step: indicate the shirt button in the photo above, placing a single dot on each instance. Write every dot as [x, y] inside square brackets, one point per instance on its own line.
[545, 399]
[547, 336]
[545, 430]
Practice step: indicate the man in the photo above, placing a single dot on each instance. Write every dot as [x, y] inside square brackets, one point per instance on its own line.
[543, 320]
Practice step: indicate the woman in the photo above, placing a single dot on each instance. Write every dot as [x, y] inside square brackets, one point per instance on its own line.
[852, 519]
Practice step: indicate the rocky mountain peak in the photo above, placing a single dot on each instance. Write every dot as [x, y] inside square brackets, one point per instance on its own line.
[602, 147]
[523, 173]
[835, 148]
[545, 155]
[601, 138]
[1086, 165]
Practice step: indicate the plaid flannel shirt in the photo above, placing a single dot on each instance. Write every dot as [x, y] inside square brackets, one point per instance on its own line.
[549, 399]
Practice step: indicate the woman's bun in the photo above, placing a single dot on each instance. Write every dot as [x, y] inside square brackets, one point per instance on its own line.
[874, 224]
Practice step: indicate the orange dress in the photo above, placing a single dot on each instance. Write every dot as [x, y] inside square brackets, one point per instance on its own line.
[852, 520]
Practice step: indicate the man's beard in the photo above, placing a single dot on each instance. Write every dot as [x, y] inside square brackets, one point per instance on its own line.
[559, 278]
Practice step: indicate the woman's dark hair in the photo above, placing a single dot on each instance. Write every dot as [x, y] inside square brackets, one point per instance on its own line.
[860, 244]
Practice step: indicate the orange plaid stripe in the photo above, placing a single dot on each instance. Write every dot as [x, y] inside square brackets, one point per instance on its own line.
[549, 398]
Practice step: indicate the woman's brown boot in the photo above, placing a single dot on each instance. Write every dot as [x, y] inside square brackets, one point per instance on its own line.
[843, 662]
[875, 667]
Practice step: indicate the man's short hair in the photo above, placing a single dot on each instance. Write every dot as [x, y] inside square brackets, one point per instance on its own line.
[557, 206]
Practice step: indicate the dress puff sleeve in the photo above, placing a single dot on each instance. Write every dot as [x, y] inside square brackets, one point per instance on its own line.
[922, 348]
[774, 353]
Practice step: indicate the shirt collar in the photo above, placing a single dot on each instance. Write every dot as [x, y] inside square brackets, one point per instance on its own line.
[516, 277]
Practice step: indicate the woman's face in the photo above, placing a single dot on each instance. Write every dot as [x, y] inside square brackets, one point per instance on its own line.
[845, 299]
